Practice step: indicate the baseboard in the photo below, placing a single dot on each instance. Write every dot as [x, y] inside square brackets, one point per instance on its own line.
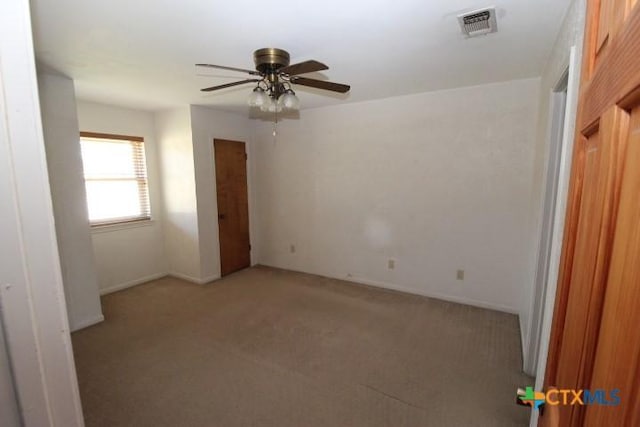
[141, 280]
[527, 357]
[191, 279]
[87, 322]
[208, 280]
[436, 295]
[412, 291]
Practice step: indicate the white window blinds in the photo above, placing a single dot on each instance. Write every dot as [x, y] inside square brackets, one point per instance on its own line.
[115, 176]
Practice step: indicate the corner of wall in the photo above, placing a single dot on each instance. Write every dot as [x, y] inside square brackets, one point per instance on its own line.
[64, 164]
[180, 221]
[208, 124]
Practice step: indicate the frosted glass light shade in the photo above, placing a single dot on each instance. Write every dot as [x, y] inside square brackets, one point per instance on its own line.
[289, 100]
[271, 106]
[258, 98]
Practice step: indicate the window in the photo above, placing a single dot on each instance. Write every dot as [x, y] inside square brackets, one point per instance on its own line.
[115, 176]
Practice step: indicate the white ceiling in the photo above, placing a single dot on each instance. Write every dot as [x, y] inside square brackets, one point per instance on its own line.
[141, 54]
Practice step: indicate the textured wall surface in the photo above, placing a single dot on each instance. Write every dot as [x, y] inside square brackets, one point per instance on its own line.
[435, 182]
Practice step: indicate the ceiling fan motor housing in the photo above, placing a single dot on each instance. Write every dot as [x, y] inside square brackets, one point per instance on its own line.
[268, 60]
[277, 75]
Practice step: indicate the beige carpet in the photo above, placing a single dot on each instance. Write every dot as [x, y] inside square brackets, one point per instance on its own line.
[266, 347]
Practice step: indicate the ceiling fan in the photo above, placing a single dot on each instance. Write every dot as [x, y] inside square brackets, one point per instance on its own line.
[275, 77]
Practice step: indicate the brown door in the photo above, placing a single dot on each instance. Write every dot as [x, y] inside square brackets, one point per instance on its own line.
[595, 338]
[233, 207]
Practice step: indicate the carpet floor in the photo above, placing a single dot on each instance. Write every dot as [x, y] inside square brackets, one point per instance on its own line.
[271, 348]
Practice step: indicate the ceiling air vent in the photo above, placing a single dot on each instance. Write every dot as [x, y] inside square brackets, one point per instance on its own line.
[478, 22]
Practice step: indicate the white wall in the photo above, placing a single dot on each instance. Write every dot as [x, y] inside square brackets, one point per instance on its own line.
[437, 182]
[182, 246]
[60, 123]
[34, 313]
[207, 124]
[134, 253]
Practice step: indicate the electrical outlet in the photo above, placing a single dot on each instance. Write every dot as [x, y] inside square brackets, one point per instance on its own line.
[391, 264]
[292, 249]
[460, 275]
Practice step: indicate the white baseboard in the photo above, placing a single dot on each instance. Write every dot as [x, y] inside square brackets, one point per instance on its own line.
[209, 279]
[87, 322]
[141, 280]
[435, 295]
[420, 292]
[193, 279]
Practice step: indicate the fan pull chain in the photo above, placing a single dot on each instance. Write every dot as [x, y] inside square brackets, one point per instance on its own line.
[275, 125]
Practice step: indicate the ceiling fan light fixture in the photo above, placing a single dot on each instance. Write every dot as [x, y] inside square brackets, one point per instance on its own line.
[274, 77]
[258, 98]
[289, 100]
[271, 106]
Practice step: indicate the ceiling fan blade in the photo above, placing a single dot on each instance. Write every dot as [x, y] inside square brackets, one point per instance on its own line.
[222, 67]
[303, 68]
[226, 85]
[321, 84]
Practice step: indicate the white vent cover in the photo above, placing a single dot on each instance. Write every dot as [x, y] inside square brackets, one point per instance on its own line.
[478, 22]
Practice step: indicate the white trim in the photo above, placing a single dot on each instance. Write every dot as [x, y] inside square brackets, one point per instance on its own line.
[209, 279]
[552, 174]
[193, 279]
[524, 338]
[120, 286]
[88, 322]
[117, 226]
[435, 295]
[559, 220]
[34, 309]
[412, 291]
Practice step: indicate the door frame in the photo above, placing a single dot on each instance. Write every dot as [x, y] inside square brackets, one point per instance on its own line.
[542, 317]
[556, 141]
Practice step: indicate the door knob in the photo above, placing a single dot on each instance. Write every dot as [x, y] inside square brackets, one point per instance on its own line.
[221, 216]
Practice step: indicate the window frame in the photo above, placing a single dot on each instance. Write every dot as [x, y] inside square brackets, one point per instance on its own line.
[122, 221]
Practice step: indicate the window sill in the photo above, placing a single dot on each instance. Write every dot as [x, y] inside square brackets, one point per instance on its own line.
[108, 228]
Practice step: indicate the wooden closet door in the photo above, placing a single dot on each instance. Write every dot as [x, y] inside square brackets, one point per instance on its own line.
[233, 205]
[595, 341]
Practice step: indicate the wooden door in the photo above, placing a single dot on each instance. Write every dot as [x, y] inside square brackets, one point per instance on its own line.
[233, 206]
[595, 338]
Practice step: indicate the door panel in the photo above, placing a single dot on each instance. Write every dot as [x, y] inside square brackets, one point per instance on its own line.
[612, 17]
[233, 206]
[618, 354]
[590, 213]
[593, 239]
[595, 343]
[604, 25]
[604, 86]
